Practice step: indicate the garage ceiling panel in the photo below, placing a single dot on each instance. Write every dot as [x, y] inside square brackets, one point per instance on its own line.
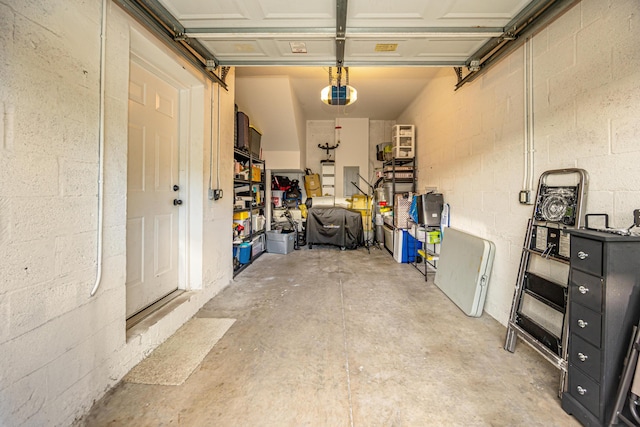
[433, 13]
[238, 32]
[256, 36]
[241, 32]
[450, 48]
[315, 48]
[453, 49]
[190, 12]
[230, 50]
[491, 12]
[236, 48]
[323, 11]
[252, 13]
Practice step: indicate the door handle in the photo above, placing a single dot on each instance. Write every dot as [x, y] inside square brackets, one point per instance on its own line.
[177, 202]
[176, 187]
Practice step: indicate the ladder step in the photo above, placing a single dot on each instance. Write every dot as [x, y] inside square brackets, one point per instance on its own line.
[546, 291]
[548, 339]
[546, 256]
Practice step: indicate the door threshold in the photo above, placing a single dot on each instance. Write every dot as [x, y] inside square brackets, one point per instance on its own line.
[153, 308]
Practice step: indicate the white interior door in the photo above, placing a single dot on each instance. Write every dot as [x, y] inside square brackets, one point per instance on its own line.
[153, 171]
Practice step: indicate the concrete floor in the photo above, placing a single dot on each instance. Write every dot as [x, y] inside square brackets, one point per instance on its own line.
[325, 337]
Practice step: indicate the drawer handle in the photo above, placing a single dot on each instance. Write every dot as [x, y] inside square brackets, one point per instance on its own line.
[583, 290]
[583, 255]
[581, 390]
[582, 357]
[582, 323]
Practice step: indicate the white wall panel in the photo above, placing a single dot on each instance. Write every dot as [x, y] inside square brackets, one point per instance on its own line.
[355, 146]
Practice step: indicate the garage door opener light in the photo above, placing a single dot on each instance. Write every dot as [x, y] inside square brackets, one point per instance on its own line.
[337, 93]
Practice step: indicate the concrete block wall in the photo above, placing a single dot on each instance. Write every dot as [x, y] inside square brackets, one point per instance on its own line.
[60, 349]
[354, 140]
[319, 132]
[586, 115]
[323, 131]
[380, 131]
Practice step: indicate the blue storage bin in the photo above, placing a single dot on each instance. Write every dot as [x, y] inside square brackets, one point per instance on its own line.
[411, 246]
[245, 253]
[405, 246]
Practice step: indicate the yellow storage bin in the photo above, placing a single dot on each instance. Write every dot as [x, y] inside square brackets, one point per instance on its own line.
[256, 174]
[433, 237]
[241, 215]
[359, 201]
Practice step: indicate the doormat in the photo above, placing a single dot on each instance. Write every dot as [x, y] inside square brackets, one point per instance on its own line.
[176, 359]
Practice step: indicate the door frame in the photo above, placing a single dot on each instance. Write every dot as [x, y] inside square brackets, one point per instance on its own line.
[191, 89]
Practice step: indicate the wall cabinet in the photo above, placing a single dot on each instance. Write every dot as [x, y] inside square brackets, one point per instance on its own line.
[248, 209]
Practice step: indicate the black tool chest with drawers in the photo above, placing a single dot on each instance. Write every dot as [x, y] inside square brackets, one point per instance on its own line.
[604, 306]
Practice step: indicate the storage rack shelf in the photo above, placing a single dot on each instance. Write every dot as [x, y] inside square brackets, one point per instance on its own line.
[394, 185]
[428, 258]
[399, 183]
[248, 238]
[253, 188]
[426, 261]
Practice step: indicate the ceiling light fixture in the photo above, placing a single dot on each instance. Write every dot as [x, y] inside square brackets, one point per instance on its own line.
[337, 93]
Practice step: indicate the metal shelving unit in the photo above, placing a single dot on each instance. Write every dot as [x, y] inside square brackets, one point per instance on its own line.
[428, 254]
[257, 191]
[399, 178]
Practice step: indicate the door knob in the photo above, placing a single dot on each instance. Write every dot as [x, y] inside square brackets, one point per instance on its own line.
[177, 202]
[176, 187]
